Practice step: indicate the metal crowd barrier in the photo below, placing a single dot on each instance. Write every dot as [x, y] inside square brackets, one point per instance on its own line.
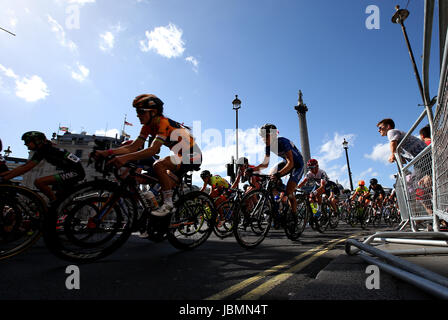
[422, 183]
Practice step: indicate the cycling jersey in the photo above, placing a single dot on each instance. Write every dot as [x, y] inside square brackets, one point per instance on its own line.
[62, 160]
[362, 189]
[318, 177]
[217, 181]
[170, 133]
[280, 148]
[331, 186]
[377, 189]
[177, 138]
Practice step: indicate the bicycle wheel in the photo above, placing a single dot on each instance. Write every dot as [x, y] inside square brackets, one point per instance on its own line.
[21, 214]
[193, 220]
[334, 219]
[74, 231]
[296, 223]
[323, 220]
[224, 221]
[253, 219]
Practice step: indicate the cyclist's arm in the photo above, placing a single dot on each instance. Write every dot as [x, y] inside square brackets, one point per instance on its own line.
[302, 183]
[237, 180]
[263, 165]
[289, 164]
[145, 153]
[19, 170]
[203, 187]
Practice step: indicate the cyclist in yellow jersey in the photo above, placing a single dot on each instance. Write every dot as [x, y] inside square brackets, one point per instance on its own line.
[218, 184]
[362, 191]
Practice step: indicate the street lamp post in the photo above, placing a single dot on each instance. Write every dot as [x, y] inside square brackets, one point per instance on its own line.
[345, 145]
[236, 106]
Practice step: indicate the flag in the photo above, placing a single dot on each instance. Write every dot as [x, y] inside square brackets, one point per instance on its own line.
[63, 129]
[127, 123]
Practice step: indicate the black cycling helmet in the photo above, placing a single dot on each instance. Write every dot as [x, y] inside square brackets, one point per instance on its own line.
[148, 101]
[373, 181]
[266, 129]
[205, 174]
[34, 136]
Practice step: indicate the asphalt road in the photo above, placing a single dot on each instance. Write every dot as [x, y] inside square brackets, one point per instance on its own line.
[142, 270]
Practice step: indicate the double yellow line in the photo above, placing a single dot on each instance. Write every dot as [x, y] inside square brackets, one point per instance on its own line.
[268, 285]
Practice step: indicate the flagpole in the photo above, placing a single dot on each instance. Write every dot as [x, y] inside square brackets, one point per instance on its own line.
[124, 124]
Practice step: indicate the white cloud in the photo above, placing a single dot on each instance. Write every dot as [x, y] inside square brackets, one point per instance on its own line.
[31, 89]
[166, 41]
[332, 149]
[81, 2]
[81, 74]
[109, 133]
[61, 35]
[194, 62]
[367, 174]
[107, 41]
[381, 153]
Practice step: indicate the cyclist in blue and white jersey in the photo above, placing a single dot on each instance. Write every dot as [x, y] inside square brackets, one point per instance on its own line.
[292, 164]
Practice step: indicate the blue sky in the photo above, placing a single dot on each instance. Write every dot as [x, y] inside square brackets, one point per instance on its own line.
[80, 63]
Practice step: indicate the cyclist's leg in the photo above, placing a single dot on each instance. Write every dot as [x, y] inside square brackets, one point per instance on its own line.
[294, 179]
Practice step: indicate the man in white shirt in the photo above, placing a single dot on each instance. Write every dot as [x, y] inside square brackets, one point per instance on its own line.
[410, 148]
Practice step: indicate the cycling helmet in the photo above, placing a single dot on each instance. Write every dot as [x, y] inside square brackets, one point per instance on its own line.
[373, 181]
[34, 136]
[205, 174]
[266, 129]
[148, 101]
[242, 161]
[1, 145]
[361, 183]
[312, 163]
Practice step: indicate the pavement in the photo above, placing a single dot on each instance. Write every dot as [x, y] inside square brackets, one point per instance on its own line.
[346, 277]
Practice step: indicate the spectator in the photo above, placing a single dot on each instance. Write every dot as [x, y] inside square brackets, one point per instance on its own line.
[410, 148]
[425, 135]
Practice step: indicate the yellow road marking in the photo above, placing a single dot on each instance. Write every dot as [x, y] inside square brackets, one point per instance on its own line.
[239, 286]
[262, 289]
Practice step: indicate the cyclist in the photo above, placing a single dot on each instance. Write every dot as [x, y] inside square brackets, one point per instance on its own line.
[165, 132]
[219, 186]
[292, 164]
[72, 170]
[243, 169]
[363, 192]
[322, 184]
[378, 192]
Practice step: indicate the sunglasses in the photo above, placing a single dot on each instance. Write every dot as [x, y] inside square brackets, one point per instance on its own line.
[142, 111]
[381, 128]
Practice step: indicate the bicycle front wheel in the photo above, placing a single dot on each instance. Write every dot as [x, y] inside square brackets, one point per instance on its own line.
[253, 219]
[224, 222]
[193, 220]
[21, 214]
[76, 230]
